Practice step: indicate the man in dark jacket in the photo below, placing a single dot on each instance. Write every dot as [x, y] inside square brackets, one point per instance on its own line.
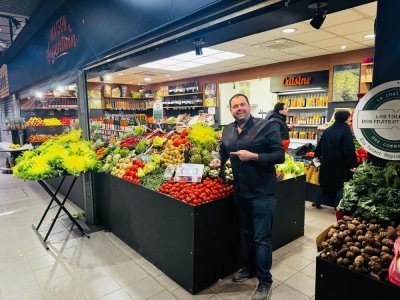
[336, 153]
[254, 147]
[279, 115]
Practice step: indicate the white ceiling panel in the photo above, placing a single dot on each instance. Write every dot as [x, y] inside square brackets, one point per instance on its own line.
[256, 38]
[230, 46]
[352, 27]
[317, 52]
[368, 9]
[349, 47]
[313, 36]
[299, 49]
[333, 42]
[287, 57]
[359, 37]
[369, 43]
[341, 17]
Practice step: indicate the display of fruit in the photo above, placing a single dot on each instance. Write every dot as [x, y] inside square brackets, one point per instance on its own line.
[52, 122]
[40, 138]
[66, 120]
[14, 146]
[34, 121]
[131, 172]
[197, 193]
[173, 155]
[100, 152]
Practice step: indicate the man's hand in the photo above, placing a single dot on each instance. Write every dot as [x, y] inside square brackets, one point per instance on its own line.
[215, 163]
[245, 155]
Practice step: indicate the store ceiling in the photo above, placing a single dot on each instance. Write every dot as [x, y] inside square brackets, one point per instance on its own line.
[342, 31]
[18, 11]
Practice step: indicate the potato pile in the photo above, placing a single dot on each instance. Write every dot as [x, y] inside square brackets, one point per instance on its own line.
[361, 245]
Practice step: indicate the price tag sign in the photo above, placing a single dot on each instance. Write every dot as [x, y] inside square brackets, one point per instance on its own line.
[158, 112]
[189, 172]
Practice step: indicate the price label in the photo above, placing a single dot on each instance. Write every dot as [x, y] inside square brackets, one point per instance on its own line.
[189, 172]
[158, 112]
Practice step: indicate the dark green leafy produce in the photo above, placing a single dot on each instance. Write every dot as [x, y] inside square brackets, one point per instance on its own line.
[373, 192]
[154, 180]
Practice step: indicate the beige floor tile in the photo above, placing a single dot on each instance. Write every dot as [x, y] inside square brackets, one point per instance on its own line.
[279, 253]
[99, 288]
[117, 295]
[72, 294]
[295, 262]
[285, 292]
[309, 270]
[167, 282]
[305, 251]
[165, 295]
[144, 289]
[302, 283]
[60, 285]
[282, 272]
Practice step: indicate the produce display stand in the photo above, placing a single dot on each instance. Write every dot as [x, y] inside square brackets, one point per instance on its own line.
[337, 282]
[61, 207]
[194, 245]
[5, 147]
[76, 194]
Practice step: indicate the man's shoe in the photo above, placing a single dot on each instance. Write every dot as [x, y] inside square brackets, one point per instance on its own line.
[263, 291]
[316, 205]
[244, 274]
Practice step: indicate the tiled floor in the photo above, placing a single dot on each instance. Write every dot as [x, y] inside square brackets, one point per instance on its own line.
[103, 267]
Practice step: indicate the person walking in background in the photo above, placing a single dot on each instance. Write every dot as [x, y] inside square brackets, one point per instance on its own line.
[279, 115]
[336, 153]
[254, 146]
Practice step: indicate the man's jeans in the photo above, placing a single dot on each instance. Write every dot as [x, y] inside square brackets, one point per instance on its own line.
[256, 218]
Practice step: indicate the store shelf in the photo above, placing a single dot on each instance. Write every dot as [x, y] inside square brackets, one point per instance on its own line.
[313, 107]
[129, 98]
[106, 129]
[127, 108]
[368, 64]
[188, 94]
[64, 97]
[48, 108]
[302, 141]
[307, 125]
[183, 107]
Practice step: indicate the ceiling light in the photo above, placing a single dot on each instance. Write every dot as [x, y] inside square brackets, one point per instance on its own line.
[121, 74]
[38, 94]
[369, 36]
[60, 89]
[189, 64]
[139, 83]
[107, 77]
[147, 79]
[226, 55]
[343, 47]
[206, 60]
[190, 60]
[168, 75]
[289, 30]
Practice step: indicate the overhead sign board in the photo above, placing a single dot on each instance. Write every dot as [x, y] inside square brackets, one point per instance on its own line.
[4, 87]
[376, 121]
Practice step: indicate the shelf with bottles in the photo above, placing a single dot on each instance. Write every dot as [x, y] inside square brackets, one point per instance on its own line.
[307, 134]
[50, 103]
[314, 100]
[117, 122]
[307, 119]
[183, 100]
[128, 103]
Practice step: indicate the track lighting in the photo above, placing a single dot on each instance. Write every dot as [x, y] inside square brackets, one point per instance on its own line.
[320, 16]
[198, 46]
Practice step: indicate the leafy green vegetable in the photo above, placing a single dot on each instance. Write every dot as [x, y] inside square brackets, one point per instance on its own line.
[153, 180]
[373, 192]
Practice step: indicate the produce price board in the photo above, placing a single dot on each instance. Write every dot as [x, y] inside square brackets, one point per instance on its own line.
[189, 173]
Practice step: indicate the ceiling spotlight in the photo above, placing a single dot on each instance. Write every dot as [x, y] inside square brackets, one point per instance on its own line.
[39, 94]
[199, 43]
[147, 79]
[107, 77]
[369, 36]
[343, 47]
[16, 23]
[320, 16]
[288, 30]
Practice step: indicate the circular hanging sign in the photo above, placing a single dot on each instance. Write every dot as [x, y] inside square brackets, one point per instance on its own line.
[376, 121]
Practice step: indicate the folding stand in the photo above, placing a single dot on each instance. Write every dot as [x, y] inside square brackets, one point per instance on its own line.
[61, 207]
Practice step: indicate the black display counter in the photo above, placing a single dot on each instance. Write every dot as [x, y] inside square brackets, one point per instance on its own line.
[76, 195]
[337, 282]
[194, 245]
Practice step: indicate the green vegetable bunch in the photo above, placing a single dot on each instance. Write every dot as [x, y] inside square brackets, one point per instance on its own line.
[374, 192]
[68, 154]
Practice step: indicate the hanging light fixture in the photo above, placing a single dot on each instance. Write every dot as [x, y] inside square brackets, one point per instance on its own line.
[320, 16]
[198, 46]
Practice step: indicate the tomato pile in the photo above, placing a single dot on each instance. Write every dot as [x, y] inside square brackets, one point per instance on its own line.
[131, 173]
[197, 193]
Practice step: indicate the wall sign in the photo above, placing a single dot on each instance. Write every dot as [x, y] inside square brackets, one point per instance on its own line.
[4, 87]
[376, 121]
[293, 82]
[61, 40]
